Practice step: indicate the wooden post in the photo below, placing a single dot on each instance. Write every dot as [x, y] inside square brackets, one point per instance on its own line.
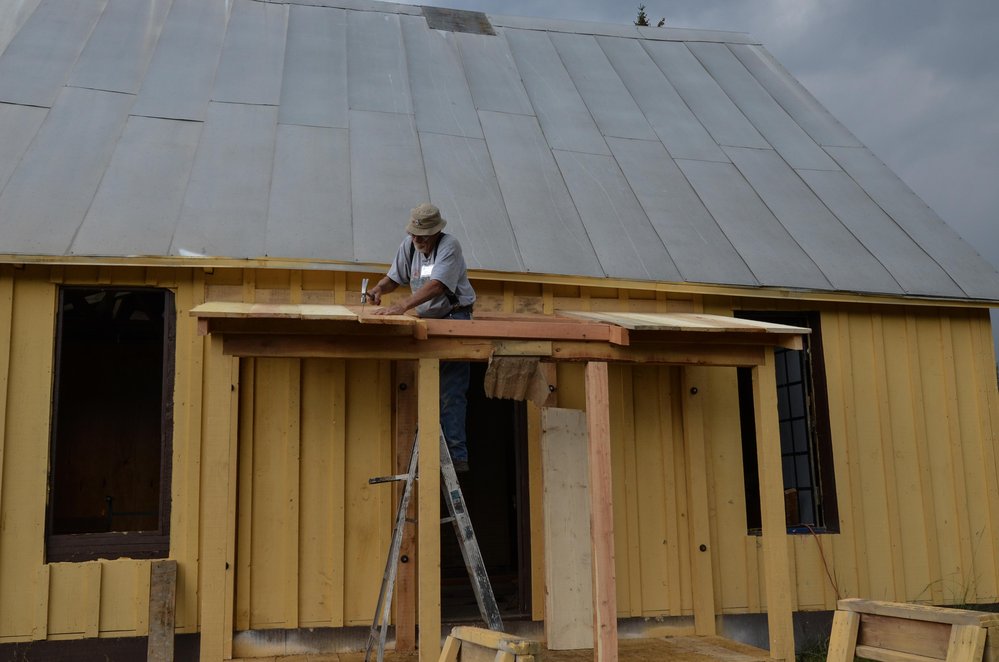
[405, 582]
[162, 610]
[429, 531]
[601, 514]
[218, 511]
[776, 559]
[694, 380]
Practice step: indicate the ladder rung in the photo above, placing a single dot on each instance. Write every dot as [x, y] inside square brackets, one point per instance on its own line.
[447, 520]
[387, 479]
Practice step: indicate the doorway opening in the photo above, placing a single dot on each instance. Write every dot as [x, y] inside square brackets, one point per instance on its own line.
[496, 494]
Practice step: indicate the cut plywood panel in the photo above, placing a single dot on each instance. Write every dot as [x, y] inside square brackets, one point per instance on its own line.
[569, 594]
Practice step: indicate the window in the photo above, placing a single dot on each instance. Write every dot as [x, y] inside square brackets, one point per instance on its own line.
[109, 477]
[802, 412]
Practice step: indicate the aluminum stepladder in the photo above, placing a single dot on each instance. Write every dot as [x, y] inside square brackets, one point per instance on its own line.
[470, 552]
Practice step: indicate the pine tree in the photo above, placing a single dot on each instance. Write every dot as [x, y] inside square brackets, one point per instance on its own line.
[643, 19]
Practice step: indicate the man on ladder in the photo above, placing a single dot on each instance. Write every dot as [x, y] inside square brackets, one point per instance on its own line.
[432, 264]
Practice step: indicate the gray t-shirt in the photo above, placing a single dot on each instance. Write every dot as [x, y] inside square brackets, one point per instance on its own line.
[445, 264]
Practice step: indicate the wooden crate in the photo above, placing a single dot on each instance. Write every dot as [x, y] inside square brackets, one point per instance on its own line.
[901, 632]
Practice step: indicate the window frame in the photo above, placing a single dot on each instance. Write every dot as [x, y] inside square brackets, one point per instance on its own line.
[149, 544]
[820, 435]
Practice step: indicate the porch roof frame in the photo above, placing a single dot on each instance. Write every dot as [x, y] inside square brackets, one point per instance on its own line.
[692, 341]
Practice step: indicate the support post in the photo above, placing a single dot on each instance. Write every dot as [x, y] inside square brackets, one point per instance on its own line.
[694, 381]
[776, 558]
[601, 514]
[405, 429]
[429, 532]
[218, 511]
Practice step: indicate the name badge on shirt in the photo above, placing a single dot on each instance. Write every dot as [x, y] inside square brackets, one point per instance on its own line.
[426, 270]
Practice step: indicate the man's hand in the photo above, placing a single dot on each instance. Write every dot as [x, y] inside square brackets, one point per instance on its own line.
[397, 309]
[375, 294]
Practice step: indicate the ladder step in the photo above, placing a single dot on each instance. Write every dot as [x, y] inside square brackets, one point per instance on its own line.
[447, 520]
[387, 479]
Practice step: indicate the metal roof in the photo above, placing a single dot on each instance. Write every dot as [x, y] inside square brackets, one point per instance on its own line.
[308, 129]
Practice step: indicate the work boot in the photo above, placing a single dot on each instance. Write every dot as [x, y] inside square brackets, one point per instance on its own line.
[461, 466]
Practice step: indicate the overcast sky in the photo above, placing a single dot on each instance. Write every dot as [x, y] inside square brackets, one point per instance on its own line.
[917, 81]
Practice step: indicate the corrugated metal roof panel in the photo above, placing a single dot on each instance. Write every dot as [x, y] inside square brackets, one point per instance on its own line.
[18, 125]
[178, 83]
[116, 54]
[253, 54]
[376, 63]
[441, 98]
[766, 115]
[769, 251]
[492, 76]
[38, 60]
[550, 234]
[463, 184]
[314, 81]
[386, 181]
[52, 187]
[309, 213]
[909, 264]
[727, 125]
[138, 202]
[844, 260]
[956, 256]
[562, 25]
[702, 252]
[225, 207]
[603, 93]
[618, 228]
[675, 125]
[564, 118]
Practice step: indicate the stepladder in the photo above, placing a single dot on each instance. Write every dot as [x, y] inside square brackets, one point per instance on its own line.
[458, 516]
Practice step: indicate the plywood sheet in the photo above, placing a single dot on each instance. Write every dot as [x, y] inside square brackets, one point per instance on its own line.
[253, 54]
[569, 592]
[225, 208]
[760, 239]
[782, 132]
[564, 118]
[709, 103]
[178, 83]
[376, 63]
[38, 60]
[387, 181]
[314, 81]
[832, 247]
[674, 123]
[55, 181]
[603, 92]
[699, 248]
[622, 236]
[136, 207]
[464, 185]
[492, 76]
[551, 237]
[442, 101]
[309, 214]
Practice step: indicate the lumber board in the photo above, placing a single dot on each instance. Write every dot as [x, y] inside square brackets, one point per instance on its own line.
[428, 533]
[843, 638]
[884, 655]
[499, 641]
[162, 610]
[904, 635]
[919, 612]
[967, 643]
[449, 652]
[601, 513]
[405, 431]
[569, 591]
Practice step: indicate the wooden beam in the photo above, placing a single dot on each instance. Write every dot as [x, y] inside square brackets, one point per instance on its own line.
[776, 558]
[601, 514]
[693, 384]
[357, 347]
[686, 354]
[537, 328]
[405, 430]
[219, 479]
[429, 532]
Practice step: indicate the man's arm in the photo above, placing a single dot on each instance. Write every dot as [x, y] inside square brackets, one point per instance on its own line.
[384, 286]
[430, 289]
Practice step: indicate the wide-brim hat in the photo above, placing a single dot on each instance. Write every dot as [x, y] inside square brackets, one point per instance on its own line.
[425, 220]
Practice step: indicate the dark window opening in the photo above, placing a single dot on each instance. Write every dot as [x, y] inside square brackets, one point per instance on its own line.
[803, 417]
[109, 480]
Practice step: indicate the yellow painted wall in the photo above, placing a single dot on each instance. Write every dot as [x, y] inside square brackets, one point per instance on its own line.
[915, 415]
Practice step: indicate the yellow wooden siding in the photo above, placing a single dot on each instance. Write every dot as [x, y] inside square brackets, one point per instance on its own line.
[914, 420]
